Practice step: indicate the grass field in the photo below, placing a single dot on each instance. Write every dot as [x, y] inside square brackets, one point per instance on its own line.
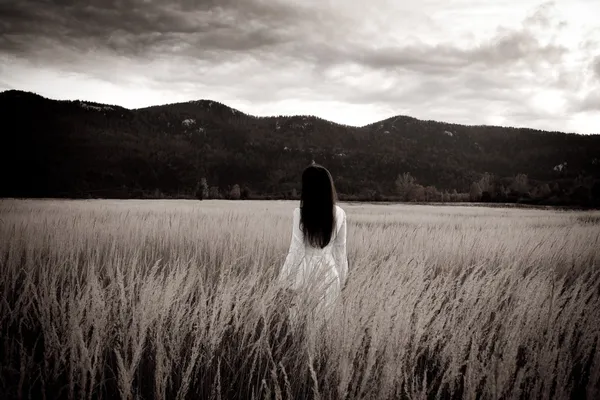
[177, 300]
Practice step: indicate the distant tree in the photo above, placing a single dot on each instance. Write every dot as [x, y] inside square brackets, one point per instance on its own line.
[404, 185]
[432, 194]
[486, 182]
[520, 184]
[542, 191]
[475, 192]
[486, 197]
[453, 196]
[246, 193]
[275, 177]
[235, 192]
[499, 193]
[367, 194]
[417, 193]
[294, 193]
[202, 189]
[445, 196]
[214, 193]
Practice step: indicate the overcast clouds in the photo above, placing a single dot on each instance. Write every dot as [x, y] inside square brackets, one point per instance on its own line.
[508, 62]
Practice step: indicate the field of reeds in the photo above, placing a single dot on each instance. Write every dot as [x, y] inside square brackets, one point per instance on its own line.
[178, 300]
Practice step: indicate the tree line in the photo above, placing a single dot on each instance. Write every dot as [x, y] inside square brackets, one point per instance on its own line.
[487, 189]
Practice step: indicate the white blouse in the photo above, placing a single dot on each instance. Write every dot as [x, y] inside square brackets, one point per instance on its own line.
[328, 265]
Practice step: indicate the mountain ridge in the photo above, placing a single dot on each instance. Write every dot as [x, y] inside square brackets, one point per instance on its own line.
[221, 104]
[79, 148]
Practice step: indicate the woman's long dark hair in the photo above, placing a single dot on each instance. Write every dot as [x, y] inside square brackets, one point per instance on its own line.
[317, 205]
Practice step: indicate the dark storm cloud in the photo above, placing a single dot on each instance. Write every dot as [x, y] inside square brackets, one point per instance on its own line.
[504, 49]
[212, 29]
[138, 27]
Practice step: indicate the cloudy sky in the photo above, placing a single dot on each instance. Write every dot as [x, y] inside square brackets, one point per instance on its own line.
[502, 62]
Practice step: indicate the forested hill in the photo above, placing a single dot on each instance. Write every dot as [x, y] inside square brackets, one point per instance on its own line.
[84, 149]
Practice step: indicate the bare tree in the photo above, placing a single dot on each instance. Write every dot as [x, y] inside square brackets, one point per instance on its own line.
[235, 192]
[520, 184]
[404, 185]
[475, 192]
[202, 189]
[214, 192]
[486, 183]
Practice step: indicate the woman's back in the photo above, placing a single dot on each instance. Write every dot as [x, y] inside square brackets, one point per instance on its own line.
[340, 217]
[305, 260]
[316, 263]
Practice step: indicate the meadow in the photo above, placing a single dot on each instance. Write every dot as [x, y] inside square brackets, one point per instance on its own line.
[166, 299]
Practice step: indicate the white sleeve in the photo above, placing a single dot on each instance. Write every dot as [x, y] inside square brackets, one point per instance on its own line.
[293, 261]
[339, 251]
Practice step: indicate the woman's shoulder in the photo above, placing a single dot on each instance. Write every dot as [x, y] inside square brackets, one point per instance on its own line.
[339, 211]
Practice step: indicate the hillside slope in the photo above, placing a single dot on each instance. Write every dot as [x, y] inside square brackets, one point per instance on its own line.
[80, 148]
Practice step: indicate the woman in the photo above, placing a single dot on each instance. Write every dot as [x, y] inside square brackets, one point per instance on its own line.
[316, 264]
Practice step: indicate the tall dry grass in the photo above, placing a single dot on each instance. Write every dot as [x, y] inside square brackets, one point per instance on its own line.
[176, 300]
